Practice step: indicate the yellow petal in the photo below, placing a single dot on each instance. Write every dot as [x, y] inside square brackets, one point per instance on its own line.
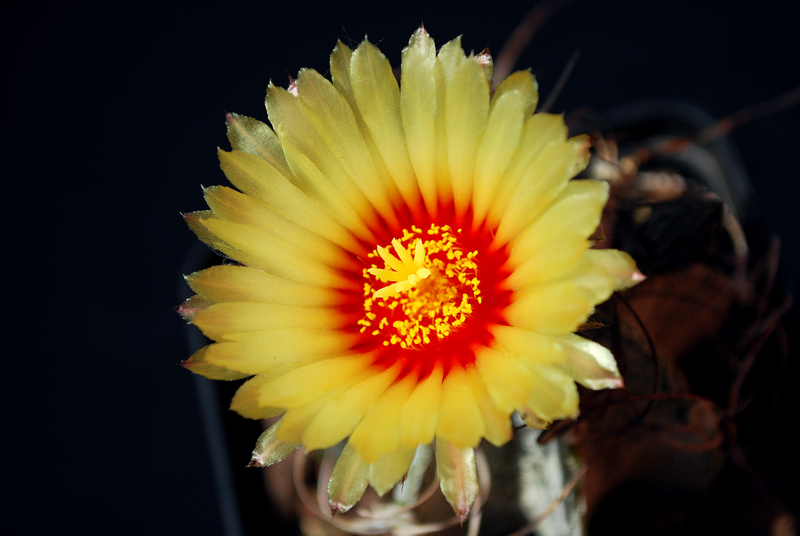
[334, 121]
[618, 263]
[228, 204]
[387, 471]
[314, 168]
[507, 380]
[589, 363]
[525, 84]
[538, 131]
[541, 184]
[377, 97]
[198, 364]
[340, 416]
[245, 401]
[378, 432]
[503, 130]
[307, 383]
[348, 481]
[257, 178]
[554, 395]
[269, 449]
[418, 112]
[420, 412]
[576, 212]
[561, 306]
[252, 136]
[467, 107]
[230, 283]
[528, 346]
[497, 422]
[255, 352]
[458, 476]
[460, 420]
[265, 252]
[232, 317]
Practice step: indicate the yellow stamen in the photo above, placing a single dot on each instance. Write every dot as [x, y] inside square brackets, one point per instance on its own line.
[431, 293]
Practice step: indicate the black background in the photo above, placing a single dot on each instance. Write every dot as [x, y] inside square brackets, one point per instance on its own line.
[112, 123]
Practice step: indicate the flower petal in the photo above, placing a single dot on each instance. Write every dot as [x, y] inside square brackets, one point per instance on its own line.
[232, 317]
[252, 136]
[340, 416]
[254, 352]
[348, 481]
[619, 264]
[458, 476]
[307, 383]
[500, 139]
[589, 363]
[269, 449]
[259, 179]
[378, 433]
[418, 112]
[242, 284]
[387, 471]
[198, 364]
[419, 417]
[460, 420]
[554, 395]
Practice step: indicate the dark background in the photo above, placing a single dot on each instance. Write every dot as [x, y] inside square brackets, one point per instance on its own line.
[113, 119]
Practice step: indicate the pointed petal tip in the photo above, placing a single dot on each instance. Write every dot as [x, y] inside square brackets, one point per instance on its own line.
[338, 508]
[255, 462]
[638, 276]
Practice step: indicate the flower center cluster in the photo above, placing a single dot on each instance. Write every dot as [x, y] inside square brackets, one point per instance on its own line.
[426, 291]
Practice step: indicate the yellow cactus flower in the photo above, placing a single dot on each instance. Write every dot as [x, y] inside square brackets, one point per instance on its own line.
[413, 262]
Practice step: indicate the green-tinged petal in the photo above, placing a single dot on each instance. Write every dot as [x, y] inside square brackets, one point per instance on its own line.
[198, 364]
[589, 363]
[252, 136]
[254, 352]
[458, 476]
[189, 309]
[230, 283]
[271, 450]
[387, 471]
[561, 306]
[619, 264]
[348, 482]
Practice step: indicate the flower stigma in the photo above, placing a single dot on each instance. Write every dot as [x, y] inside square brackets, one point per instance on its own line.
[431, 294]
